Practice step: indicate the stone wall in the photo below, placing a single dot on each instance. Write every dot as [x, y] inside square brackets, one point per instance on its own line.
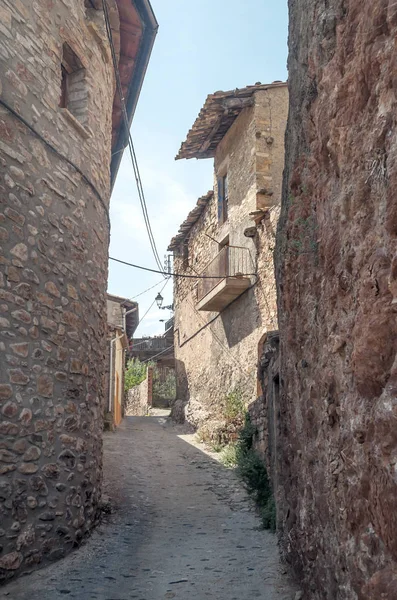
[336, 268]
[54, 190]
[217, 352]
[265, 410]
[140, 398]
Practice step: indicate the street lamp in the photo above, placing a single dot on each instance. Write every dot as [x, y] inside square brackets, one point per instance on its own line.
[159, 301]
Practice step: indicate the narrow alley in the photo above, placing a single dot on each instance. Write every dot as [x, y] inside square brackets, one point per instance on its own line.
[181, 526]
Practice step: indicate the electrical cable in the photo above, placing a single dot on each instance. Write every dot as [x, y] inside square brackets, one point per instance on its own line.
[130, 144]
[143, 202]
[162, 352]
[151, 306]
[148, 289]
[59, 154]
[123, 262]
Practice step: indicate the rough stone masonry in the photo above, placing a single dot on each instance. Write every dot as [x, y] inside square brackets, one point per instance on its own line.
[337, 284]
[53, 257]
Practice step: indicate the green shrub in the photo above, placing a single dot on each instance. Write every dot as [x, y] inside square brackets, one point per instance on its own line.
[254, 474]
[268, 515]
[246, 435]
[229, 455]
[234, 407]
[164, 388]
[135, 373]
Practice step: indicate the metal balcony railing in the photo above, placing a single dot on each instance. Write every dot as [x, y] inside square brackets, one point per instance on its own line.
[141, 345]
[169, 324]
[231, 261]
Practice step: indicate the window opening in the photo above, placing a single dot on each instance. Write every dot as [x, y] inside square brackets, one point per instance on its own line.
[223, 199]
[64, 88]
[74, 93]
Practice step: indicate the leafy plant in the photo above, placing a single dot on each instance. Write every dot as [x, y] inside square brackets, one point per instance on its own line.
[135, 373]
[269, 515]
[229, 456]
[246, 435]
[164, 388]
[234, 407]
[253, 471]
[231, 418]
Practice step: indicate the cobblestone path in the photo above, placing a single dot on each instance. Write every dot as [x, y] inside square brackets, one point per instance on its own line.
[182, 527]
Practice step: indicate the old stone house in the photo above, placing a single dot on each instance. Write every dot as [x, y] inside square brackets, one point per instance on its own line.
[122, 319]
[61, 141]
[227, 242]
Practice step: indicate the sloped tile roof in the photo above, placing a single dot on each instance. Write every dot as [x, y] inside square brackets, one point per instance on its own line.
[217, 115]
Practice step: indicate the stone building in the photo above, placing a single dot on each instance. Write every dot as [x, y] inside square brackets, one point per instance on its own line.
[123, 319]
[336, 266]
[228, 238]
[61, 140]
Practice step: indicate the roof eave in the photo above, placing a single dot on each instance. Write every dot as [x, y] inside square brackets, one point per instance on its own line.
[151, 26]
[219, 112]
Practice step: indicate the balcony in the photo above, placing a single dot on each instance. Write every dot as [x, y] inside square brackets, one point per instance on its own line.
[228, 277]
[147, 348]
[169, 324]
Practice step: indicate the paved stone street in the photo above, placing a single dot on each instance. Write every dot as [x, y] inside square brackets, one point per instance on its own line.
[182, 527]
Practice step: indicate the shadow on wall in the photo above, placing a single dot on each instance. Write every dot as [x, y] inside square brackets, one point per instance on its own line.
[182, 383]
[182, 393]
[241, 318]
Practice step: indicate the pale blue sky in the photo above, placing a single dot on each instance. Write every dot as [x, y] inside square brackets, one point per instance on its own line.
[202, 46]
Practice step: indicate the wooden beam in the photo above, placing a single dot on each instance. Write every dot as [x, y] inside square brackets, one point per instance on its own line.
[227, 104]
[204, 147]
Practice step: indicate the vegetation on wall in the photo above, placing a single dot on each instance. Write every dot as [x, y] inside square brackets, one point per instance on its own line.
[164, 385]
[135, 373]
[253, 471]
[231, 419]
[233, 437]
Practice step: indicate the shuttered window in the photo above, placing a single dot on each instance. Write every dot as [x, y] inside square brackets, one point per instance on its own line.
[223, 199]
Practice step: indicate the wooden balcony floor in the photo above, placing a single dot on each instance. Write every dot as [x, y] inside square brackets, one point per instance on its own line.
[224, 293]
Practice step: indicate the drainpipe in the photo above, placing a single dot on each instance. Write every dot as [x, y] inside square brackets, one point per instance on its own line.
[113, 341]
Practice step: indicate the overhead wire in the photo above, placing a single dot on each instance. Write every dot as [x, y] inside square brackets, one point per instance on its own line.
[182, 275]
[148, 290]
[151, 306]
[155, 356]
[130, 144]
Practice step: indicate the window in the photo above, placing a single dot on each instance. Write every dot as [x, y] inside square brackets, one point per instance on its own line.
[74, 93]
[64, 88]
[223, 199]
